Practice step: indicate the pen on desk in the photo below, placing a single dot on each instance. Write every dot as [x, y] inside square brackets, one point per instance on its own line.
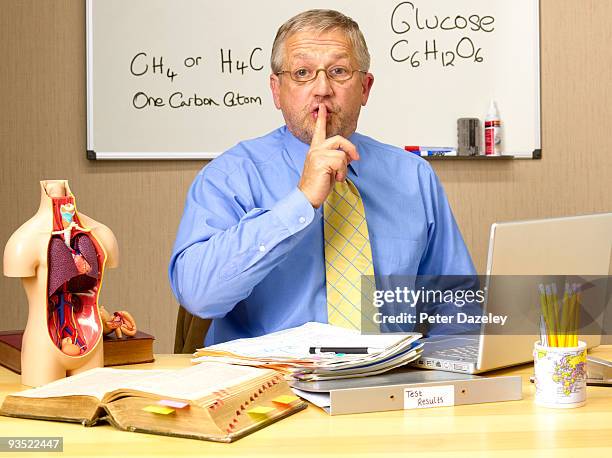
[345, 350]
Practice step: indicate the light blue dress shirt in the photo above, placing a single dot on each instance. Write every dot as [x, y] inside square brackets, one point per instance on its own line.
[249, 250]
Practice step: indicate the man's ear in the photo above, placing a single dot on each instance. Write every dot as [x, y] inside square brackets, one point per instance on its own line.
[366, 86]
[275, 87]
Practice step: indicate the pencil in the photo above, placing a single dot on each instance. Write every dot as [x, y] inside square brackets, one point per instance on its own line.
[545, 317]
[564, 327]
[543, 336]
[577, 307]
[552, 315]
[557, 315]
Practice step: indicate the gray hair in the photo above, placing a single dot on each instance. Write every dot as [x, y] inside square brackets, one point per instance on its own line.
[320, 21]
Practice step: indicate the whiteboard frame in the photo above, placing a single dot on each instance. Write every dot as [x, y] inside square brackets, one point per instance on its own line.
[89, 76]
[92, 154]
[537, 153]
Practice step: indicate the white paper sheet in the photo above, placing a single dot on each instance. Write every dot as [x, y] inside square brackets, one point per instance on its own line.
[322, 399]
[294, 343]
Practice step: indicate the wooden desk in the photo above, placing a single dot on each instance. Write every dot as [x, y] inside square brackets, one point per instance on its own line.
[508, 429]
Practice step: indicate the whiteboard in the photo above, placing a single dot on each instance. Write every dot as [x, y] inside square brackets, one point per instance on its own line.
[184, 79]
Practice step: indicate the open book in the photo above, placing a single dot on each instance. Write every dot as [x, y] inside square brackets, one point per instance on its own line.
[209, 401]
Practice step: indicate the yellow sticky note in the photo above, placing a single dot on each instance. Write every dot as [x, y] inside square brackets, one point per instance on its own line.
[285, 399]
[158, 409]
[261, 410]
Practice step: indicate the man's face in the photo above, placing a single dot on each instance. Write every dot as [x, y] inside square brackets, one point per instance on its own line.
[299, 101]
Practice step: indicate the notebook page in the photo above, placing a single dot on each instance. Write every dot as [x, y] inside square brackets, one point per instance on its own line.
[295, 342]
[197, 381]
[95, 382]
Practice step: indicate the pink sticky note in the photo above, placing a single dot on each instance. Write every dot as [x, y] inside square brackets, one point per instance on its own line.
[175, 404]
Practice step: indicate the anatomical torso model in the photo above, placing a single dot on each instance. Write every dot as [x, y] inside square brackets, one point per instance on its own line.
[61, 255]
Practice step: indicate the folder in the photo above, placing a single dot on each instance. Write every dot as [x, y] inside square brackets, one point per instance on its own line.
[407, 389]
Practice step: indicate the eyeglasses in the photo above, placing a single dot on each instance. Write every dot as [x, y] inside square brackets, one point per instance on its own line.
[337, 73]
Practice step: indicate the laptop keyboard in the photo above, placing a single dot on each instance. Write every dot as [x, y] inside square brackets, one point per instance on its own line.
[466, 353]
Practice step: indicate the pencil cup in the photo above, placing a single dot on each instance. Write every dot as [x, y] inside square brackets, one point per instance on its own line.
[560, 375]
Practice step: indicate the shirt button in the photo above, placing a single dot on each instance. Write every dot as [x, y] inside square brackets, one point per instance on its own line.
[302, 220]
[262, 248]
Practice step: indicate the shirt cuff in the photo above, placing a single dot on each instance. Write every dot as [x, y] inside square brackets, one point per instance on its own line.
[295, 211]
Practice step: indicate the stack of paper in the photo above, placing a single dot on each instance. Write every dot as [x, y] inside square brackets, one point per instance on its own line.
[288, 351]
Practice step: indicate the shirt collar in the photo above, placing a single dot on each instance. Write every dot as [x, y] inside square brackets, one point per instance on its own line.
[297, 151]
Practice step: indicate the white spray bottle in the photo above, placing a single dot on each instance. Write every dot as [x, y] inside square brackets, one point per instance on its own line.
[492, 131]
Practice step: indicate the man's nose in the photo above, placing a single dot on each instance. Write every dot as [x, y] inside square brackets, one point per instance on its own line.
[321, 84]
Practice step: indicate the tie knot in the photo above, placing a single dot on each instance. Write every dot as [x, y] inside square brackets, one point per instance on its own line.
[343, 187]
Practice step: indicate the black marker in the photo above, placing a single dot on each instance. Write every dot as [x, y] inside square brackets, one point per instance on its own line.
[345, 350]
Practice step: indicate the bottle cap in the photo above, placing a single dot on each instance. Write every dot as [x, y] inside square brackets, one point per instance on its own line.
[493, 113]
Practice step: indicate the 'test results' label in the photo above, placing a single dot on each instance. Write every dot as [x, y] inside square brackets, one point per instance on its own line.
[429, 396]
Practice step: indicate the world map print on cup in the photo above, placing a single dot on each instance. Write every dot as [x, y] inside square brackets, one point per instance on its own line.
[560, 375]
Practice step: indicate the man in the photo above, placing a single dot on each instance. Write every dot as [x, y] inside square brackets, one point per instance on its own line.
[250, 247]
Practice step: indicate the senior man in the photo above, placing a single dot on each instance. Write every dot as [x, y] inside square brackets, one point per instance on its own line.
[279, 230]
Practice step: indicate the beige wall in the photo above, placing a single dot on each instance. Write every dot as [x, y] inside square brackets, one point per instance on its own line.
[42, 136]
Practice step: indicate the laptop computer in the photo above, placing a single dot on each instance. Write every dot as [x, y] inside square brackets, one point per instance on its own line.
[579, 245]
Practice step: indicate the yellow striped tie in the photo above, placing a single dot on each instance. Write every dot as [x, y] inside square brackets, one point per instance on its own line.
[348, 254]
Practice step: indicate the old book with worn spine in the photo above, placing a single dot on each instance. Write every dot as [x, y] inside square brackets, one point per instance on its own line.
[208, 401]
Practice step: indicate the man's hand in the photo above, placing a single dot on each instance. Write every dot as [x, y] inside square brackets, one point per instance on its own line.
[326, 161]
